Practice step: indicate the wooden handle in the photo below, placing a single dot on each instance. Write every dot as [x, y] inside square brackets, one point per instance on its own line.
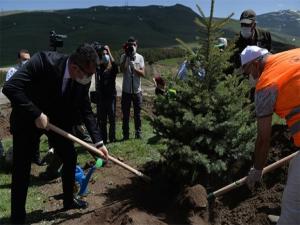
[242, 181]
[94, 150]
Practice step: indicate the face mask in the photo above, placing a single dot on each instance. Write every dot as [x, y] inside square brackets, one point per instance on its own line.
[252, 81]
[24, 62]
[105, 59]
[85, 80]
[246, 32]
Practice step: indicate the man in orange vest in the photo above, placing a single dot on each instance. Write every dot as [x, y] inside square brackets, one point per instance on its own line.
[277, 90]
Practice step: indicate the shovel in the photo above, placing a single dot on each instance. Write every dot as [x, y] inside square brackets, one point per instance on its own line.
[242, 181]
[94, 150]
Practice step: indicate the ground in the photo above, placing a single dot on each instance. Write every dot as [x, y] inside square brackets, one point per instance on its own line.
[118, 197]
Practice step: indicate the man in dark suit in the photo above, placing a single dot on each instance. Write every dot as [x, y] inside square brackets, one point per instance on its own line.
[50, 87]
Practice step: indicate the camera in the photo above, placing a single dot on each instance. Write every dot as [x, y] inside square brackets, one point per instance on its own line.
[56, 40]
[98, 48]
[129, 50]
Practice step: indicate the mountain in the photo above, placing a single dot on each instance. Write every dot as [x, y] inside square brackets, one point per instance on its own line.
[153, 26]
[284, 25]
[282, 22]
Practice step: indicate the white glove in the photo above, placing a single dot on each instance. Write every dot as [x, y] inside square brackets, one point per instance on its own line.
[254, 176]
[42, 122]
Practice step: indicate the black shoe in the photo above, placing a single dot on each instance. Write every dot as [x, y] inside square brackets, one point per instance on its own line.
[76, 204]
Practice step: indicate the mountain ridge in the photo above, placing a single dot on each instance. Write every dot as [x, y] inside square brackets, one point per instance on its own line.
[154, 26]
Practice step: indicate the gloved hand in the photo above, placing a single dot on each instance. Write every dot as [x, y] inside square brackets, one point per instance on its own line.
[254, 176]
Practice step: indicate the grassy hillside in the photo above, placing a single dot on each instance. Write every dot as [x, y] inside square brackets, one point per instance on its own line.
[154, 26]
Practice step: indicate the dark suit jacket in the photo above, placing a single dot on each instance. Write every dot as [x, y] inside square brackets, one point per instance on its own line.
[37, 88]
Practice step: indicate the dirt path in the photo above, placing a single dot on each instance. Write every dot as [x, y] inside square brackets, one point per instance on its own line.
[3, 99]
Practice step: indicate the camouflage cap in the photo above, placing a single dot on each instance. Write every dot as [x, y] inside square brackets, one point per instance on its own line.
[248, 16]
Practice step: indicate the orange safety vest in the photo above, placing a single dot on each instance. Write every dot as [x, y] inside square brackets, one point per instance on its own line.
[282, 70]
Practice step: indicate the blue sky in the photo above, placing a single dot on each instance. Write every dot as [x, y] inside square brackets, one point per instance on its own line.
[222, 7]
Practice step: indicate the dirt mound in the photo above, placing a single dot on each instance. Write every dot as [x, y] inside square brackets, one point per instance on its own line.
[122, 213]
[251, 211]
[191, 207]
[193, 200]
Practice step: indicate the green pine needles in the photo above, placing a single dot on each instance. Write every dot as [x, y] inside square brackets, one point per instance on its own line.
[208, 125]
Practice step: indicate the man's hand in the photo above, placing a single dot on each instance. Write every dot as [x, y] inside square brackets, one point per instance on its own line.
[131, 65]
[107, 48]
[42, 122]
[254, 176]
[104, 151]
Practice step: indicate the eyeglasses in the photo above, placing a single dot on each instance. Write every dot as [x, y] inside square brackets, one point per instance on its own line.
[83, 70]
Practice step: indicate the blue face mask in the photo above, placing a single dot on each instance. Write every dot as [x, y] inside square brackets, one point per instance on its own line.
[105, 59]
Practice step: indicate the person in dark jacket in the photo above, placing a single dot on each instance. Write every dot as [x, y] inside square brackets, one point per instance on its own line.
[106, 93]
[250, 35]
[50, 87]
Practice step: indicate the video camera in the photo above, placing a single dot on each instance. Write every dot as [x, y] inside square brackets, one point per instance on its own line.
[98, 48]
[129, 50]
[56, 40]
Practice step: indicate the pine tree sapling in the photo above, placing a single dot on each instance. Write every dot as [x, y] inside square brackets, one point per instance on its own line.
[208, 125]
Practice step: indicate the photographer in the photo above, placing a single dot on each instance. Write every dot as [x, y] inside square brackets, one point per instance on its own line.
[106, 75]
[132, 66]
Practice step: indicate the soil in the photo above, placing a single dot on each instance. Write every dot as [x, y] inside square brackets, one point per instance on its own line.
[117, 197]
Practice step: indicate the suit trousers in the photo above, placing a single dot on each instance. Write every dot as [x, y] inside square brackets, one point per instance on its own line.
[24, 146]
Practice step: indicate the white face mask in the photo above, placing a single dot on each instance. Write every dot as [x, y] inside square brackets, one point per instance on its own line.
[24, 62]
[105, 59]
[246, 32]
[85, 80]
[252, 81]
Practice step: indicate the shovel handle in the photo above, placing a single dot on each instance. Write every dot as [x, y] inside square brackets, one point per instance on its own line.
[242, 181]
[96, 151]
